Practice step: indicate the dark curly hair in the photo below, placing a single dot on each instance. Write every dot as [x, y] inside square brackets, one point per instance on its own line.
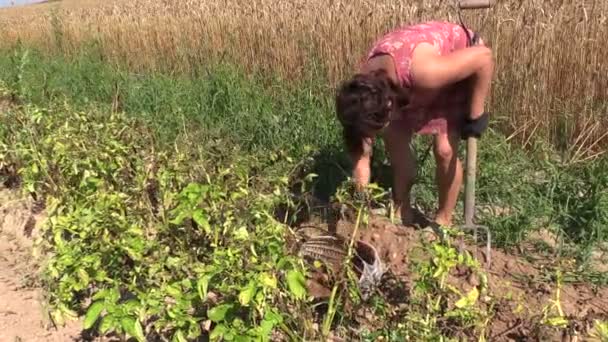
[364, 104]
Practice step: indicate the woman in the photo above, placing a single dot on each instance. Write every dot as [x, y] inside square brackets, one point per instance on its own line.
[429, 78]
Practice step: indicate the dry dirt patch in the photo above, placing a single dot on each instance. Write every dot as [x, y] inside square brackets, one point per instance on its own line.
[22, 313]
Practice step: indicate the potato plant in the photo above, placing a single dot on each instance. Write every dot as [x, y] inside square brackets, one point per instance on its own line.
[161, 244]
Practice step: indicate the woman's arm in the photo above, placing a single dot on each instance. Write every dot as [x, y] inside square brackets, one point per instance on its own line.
[361, 164]
[430, 70]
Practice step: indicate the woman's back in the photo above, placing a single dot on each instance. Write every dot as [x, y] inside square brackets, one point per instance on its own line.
[401, 42]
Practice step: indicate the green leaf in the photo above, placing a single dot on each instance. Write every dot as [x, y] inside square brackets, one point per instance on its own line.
[128, 325]
[194, 331]
[438, 272]
[174, 291]
[469, 299]
[557, 321]
[68, 313]
[30, 188]
[179, 337]
[203, 285]
[296, 283]
[218, 313]
[199, 217]
[266, 328]
[93, 314]
[247, 293]
[130, 305]
[270, 320]
[113, 295]
[132, 327]
[268, 280]
[105, 325]
[243, 338]
[179, 219]
[84, 276]
[138, 332]
[57, 316]
[218, 332]
[274, 317]
[241, 234]
[601, 330]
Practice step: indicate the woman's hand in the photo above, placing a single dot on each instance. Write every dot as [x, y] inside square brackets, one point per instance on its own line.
[475, 127]
[361, 163]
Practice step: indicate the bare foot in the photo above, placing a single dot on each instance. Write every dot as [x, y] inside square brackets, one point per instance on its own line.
[442, 221]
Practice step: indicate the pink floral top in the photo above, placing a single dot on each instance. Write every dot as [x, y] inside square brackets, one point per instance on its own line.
[448, 109]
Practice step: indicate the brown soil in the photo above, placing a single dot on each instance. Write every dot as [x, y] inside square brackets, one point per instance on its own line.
[22, 312]
[517, 284]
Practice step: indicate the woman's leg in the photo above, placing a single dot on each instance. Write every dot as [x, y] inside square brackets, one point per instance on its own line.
[448, 176]
[397, 141]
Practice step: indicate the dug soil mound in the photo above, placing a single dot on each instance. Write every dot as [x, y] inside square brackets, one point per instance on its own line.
[521, 286]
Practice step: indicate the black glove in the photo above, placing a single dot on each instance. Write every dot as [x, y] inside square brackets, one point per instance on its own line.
[474, 128]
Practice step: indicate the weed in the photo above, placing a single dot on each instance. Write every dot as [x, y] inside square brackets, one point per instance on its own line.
[600, 331]
[444, 308]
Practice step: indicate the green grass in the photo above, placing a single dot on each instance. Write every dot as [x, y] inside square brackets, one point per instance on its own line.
[219, 98]
[157, 199]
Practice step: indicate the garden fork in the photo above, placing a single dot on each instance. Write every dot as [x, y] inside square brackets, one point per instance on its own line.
[471, 158]
[469, 199]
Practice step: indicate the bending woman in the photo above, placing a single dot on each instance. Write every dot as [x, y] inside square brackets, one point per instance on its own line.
[429, 78]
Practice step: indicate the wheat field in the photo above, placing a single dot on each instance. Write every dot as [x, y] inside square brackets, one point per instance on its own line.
[551, 76]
